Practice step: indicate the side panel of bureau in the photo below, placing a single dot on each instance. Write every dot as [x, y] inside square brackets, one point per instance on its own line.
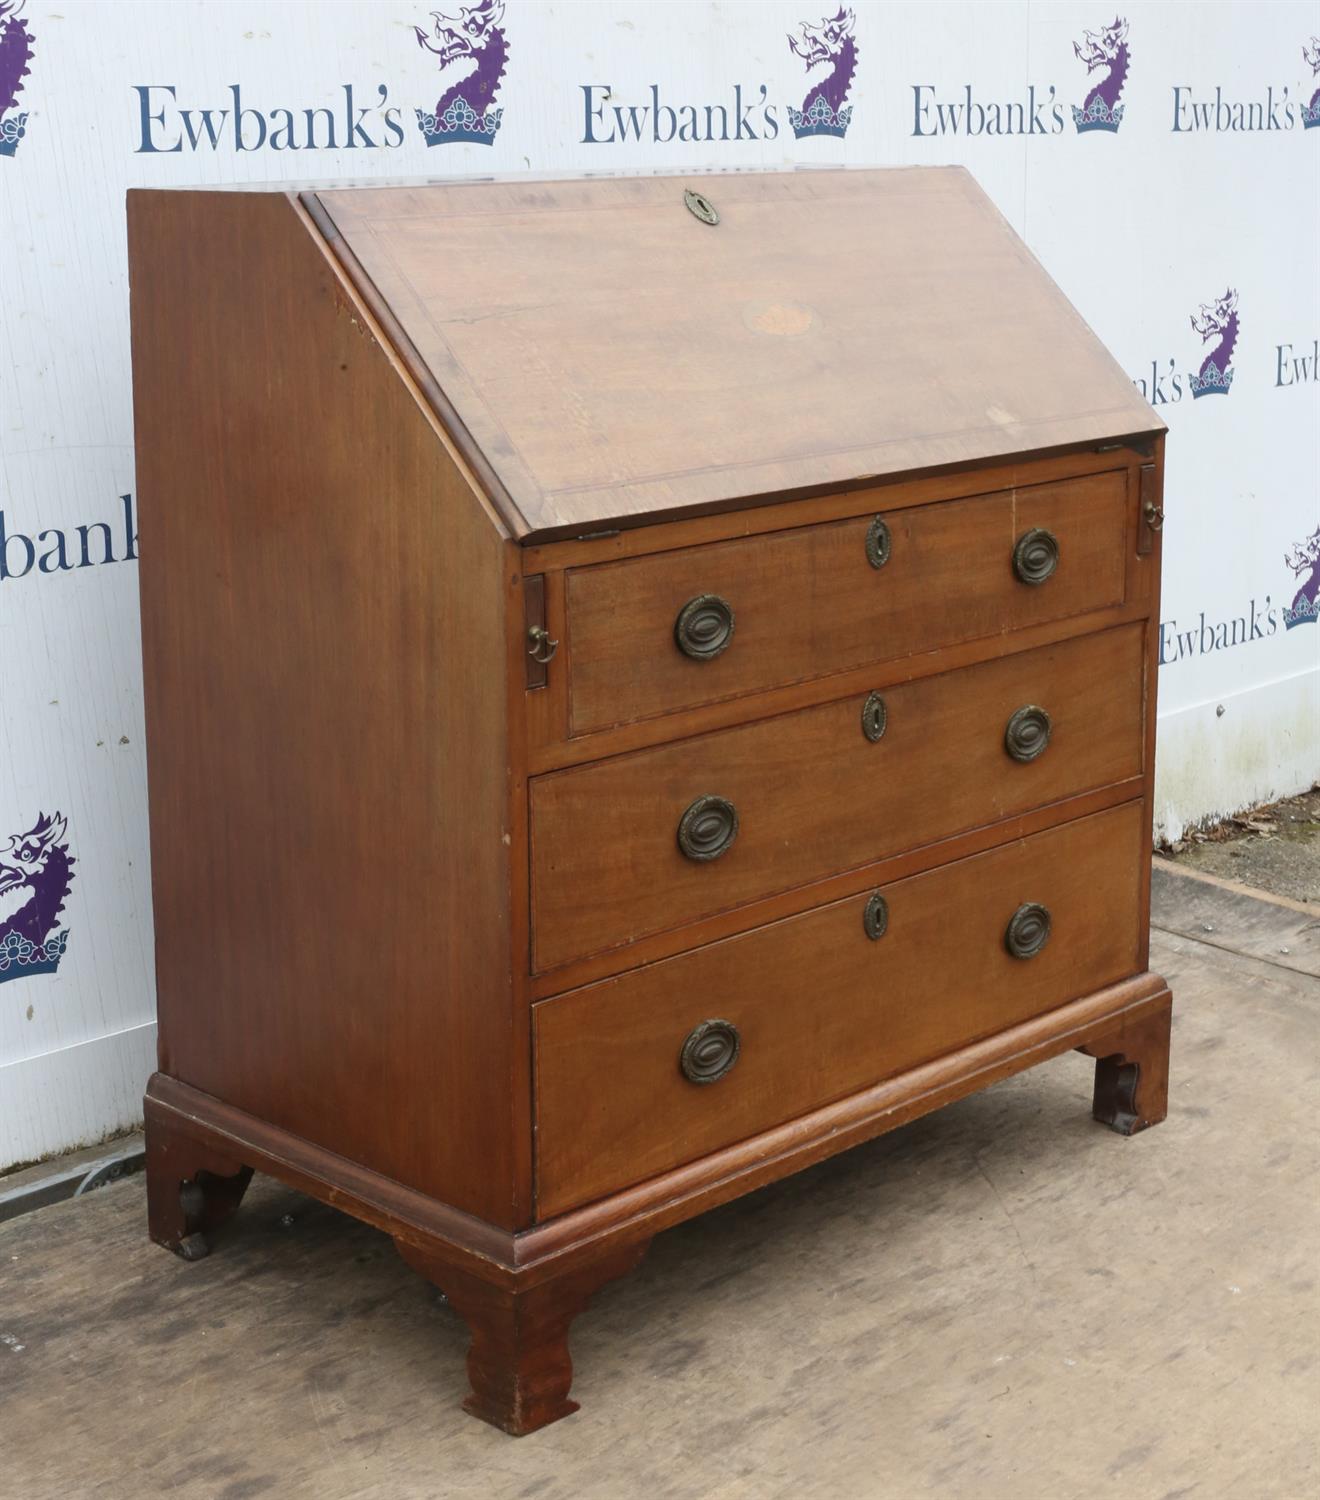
[325, 619]
[807, 602]
[814, 796]
[822, 1009]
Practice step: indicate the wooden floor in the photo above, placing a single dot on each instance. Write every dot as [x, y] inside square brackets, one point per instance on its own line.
[1000, 1302]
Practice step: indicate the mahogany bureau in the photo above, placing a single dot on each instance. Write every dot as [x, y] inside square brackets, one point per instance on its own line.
[650, 682]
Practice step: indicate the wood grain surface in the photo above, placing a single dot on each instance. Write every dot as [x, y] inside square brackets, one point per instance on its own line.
[834, 325]
[807, 603]
[814, 797]
[822, 1010]
[364, 476]
[328, 748]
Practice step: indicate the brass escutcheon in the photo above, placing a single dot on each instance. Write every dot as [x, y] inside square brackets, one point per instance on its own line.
[702, 207]
[879, 543]
[875, 917]
[875, 717]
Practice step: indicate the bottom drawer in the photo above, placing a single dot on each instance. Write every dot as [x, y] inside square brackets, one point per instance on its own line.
[821, 1008]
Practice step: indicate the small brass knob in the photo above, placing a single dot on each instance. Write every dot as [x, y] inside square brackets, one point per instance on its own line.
[704, 627]
[875, 917]
[710, 1050]
[1028, 930]
[708, 828]
[878, 543]
[1036, 555]
[1028, 733]
[875, 716]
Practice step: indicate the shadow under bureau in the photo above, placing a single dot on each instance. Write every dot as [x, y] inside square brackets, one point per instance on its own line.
[650, 682]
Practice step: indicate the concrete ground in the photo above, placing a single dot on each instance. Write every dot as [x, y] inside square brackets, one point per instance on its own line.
[1274, 848]
[1002, 1301]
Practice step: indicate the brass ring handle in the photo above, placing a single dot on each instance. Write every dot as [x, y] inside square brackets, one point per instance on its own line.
[704, 627]
[708, 828]
[1035, 555]
[1028, 733]
[1028, 930]
[710, 1050]
[879, 543]
[1153, 515]
[542, 648]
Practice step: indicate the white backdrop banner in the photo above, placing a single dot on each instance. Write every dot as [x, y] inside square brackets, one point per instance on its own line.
[1162, 161]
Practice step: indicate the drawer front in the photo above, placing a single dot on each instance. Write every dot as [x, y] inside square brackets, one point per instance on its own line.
[821, 1008]
[632, 846]
[656, 634]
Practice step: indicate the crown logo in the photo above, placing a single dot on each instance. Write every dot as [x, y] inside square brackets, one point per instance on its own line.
[1304, 612]
[1106, 55]
[820, 119]
[474, 44]
[15, 55]
[36, 871]
[12, 131]
[20, 956]
[460, 122]
[1311, 111]
[832, 45]
[1217, 321]
[1097, 116]
[1212, 381]
[1304, 558]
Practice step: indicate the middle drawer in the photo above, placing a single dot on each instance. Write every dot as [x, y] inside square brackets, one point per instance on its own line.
[650, 841]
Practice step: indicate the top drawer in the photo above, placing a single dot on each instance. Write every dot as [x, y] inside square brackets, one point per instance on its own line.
[786, 606]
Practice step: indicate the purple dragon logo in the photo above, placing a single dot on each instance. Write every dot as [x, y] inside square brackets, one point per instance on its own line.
[1311, 111]
[15, 55]
[36, 871]
[824, 111]
[466, 110]
[1304, 558]
[1217, 320]
[1107, 49]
